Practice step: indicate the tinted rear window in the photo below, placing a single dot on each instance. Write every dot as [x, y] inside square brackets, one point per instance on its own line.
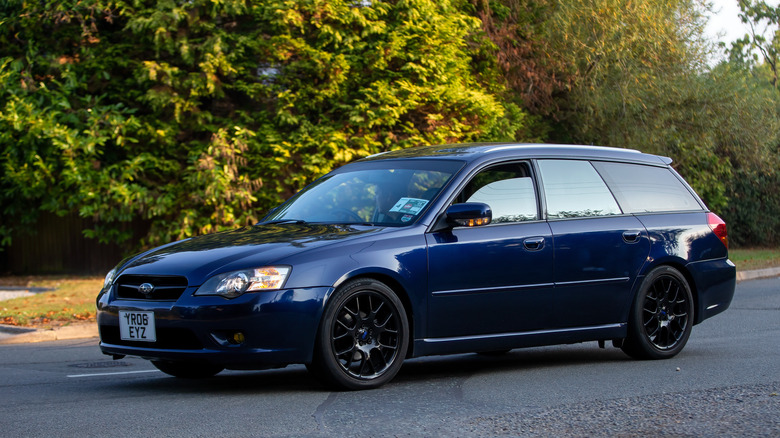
[645, 189]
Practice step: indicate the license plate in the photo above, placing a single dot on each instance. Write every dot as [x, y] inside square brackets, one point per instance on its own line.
[137, 326]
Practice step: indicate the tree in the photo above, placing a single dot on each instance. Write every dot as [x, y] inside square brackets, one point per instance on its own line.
[199, 116]
[578, 63]
[634, 74]
[754, 203]
[764, 36]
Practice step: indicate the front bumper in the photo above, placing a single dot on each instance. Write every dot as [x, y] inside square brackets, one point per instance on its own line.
[279, 327]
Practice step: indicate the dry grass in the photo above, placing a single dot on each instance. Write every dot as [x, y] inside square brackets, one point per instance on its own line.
[73, 299]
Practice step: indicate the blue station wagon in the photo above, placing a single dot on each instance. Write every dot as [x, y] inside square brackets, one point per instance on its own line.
[428, 251]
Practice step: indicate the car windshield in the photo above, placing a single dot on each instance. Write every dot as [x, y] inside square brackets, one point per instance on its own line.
[392, 192]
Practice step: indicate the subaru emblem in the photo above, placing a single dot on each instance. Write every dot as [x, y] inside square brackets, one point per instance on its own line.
[146, 288]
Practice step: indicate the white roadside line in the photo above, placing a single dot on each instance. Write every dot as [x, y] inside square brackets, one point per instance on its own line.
[113, 374]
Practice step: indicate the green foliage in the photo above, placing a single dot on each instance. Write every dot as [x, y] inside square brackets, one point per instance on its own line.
[199, 116]
[646, 86]
[634, 74]
[753, 213]
[764, 37]
[619, 73]
[618, 53]
[711, 123]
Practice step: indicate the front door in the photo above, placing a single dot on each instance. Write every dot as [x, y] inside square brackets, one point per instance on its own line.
[496, 278]
[491, 279]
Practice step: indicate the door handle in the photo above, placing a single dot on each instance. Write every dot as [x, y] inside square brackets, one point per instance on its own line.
[534, 243]
[631, 236]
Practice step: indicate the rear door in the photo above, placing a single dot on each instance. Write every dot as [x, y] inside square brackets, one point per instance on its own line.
[598, 250]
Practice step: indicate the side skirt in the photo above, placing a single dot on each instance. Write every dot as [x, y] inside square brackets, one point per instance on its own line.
[503, 341]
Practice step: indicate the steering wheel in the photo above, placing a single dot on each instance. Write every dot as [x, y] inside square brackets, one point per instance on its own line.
[344, 213]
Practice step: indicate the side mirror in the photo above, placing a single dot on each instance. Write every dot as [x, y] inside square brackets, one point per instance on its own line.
[469, 214]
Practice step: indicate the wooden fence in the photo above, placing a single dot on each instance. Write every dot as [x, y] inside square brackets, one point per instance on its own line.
[56, 245]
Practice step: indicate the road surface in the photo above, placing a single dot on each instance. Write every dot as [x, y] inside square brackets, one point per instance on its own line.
[725, 383]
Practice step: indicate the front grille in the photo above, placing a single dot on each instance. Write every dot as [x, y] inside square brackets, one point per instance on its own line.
[167, 338]
[166, 288]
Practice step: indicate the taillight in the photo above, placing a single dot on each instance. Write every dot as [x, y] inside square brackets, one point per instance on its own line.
[718, 227]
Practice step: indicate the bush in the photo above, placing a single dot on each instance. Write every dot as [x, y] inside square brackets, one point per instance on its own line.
[199, 116]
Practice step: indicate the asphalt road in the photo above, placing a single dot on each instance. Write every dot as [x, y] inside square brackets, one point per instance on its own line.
[725, 383]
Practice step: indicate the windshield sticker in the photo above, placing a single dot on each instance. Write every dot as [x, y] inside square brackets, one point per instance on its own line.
[409, 205]
[406, 218]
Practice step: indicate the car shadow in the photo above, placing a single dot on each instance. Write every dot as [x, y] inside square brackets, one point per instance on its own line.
[297, 379]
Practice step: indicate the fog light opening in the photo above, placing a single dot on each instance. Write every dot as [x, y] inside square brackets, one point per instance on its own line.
[237, 338]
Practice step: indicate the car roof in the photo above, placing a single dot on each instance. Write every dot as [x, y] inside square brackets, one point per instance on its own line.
[487, 151]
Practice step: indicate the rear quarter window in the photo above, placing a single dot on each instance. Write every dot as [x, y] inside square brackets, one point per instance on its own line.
[646, 189]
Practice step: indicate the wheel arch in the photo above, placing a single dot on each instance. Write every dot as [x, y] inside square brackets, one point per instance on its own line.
[680, 266]
[400, 291]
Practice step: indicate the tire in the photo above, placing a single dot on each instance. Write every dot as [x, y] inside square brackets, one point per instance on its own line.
[661, 316]
[363, 337]
[188, 370]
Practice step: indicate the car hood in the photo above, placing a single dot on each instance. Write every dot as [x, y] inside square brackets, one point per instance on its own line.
[201, 257]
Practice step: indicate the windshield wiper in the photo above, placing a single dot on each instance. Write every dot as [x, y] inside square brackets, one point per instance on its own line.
[283, 221]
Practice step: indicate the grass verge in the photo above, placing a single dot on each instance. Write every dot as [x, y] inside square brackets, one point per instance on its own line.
[72, 300]
[755, 258]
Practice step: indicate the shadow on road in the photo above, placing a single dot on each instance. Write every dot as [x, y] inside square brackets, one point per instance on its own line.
[430, 369]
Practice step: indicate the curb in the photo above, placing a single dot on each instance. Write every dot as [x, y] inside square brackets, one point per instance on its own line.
[15, 329]
[33, 290]
[20, 335]
[758, 273]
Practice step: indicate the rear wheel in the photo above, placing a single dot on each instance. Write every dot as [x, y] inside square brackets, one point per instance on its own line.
[188, 370]
[661, 316]
[363, 336]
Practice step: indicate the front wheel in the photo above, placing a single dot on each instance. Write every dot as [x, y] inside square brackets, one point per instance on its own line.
[363, 337]
[661, 317]
[188, 370]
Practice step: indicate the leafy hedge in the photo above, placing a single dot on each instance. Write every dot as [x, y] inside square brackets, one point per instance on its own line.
[200, 115]
[754, 208]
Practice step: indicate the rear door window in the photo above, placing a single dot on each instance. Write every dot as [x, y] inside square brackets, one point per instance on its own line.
[645, 189]
[574, 189]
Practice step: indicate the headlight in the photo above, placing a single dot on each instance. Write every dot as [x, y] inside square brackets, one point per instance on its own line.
[233, 284]
[111, 276]
[109, 279]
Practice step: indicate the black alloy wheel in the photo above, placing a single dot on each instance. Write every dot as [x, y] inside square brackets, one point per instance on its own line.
[661, 317]
[363, 337]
